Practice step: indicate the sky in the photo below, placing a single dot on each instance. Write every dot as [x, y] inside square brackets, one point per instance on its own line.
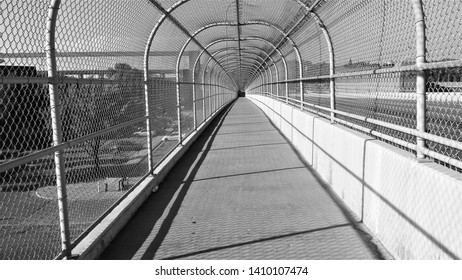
[361, 30]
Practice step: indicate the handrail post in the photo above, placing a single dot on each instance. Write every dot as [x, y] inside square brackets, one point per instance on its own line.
[269, 72]
[178, 87]
[178, 105]
[60, 171]
[277, 78]
[261, 83]
[146, 85]
[194, 97]
[421, 78]
[212, 100]
[331, 63]
[203, 93]
[300, 70]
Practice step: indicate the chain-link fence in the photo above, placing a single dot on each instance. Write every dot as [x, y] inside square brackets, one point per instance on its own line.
[370, 66]
[94, 95]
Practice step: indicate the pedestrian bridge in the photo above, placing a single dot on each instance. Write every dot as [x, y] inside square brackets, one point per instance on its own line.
[233, 129]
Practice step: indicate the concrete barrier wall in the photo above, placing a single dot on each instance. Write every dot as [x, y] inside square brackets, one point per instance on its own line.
[413, 207]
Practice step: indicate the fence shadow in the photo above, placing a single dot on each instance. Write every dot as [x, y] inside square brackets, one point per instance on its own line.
[154, 218]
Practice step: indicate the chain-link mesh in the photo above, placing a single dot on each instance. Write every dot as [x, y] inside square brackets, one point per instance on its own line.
[101, 89]
[100, 51]
[371, 37]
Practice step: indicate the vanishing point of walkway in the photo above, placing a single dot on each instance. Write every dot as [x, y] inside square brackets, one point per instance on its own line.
[241, 192]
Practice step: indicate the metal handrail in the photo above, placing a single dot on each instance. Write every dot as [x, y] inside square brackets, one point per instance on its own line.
[410, 131]
[408, 68]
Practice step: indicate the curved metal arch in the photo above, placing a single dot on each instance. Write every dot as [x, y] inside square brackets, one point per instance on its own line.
[197, 59]
[271, 25]
[165, 14]
[246, 52]
[229, 39]
[268, 73]
[245, 39]
[328, 39]
[331, 62]
[147, 49]
[213, 102]
[210, 59]
[309, 9]
[294, 46]
[218, 59]
[246, 49]
[50, 52]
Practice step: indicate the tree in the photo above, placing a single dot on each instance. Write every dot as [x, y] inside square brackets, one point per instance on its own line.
[91, 108]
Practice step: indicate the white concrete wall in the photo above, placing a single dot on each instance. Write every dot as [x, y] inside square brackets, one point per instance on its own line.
[413, 207]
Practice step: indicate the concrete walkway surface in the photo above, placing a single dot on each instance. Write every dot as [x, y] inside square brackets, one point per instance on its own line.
[242, 192]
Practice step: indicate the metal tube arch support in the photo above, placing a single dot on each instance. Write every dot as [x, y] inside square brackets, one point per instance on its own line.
[147, 49]
[244, 50]
[293, 44]
[286, 36]
[331, 62]
[50, 51]
[212, 106]
[262, 60]
[268, 76]
[167, 14]
[219, 59]
[203, 81]
[243, 39]
[421, 78]
[248, 53]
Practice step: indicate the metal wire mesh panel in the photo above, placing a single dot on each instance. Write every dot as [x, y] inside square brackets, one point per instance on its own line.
[443, 20]
[444, 108]
[76, 99]
[24, 129]
[367, 35]
[444, 85]
[380, 97]
[22, 39]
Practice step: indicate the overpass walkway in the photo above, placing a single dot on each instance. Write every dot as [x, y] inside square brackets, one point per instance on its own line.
[242, 192]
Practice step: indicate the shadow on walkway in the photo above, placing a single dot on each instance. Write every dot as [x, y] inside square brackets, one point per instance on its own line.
[243, 195]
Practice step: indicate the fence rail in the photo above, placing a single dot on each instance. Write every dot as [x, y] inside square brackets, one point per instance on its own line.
[94, 92]
[437, 139]
[82, 121]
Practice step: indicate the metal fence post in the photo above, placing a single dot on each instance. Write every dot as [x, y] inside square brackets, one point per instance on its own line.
[300, 69]
[146, 89]
[269, 72]
[421, 78]
[215, 91]
[211, 98]
[331, 63]
[178, 86]
[178, 106]
[194, 100]
[262, 82]
[194, 90]
[204, 71]
[204, 108]
[60, 171]
[277, 78]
